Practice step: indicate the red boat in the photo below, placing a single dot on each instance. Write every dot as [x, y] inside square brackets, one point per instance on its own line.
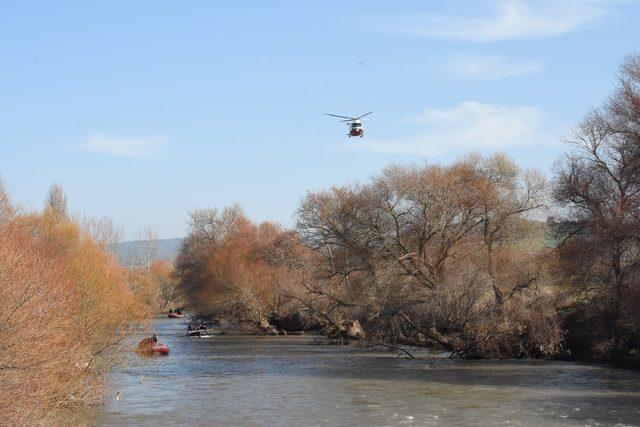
[160, 349]
[174, 315]
[150, 347]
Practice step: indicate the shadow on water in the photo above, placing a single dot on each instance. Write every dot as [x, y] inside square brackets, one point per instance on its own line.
[248, 380]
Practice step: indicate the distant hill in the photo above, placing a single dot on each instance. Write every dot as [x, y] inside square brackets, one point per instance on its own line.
[129, 253]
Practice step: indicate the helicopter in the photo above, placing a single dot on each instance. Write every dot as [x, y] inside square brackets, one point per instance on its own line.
[355, 125]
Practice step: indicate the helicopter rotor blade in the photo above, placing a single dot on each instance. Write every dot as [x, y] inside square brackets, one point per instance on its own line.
[358, 118]
[342, 117]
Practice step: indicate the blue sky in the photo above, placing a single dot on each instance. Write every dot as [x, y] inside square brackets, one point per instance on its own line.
[144, 110]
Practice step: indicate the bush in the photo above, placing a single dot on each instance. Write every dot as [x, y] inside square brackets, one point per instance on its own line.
[65, 308]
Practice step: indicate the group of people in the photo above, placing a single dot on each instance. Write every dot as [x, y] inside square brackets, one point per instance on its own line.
[194, 327]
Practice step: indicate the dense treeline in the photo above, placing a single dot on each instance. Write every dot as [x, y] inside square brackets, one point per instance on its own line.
[454, 256]
[598, 187]
[419, 255]
[232, 269]
[66, 307]
[155, 286]
[435, 254]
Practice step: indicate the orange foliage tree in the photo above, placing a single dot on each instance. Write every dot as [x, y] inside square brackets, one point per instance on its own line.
[155, 286]
[65, 308]
[238, 270]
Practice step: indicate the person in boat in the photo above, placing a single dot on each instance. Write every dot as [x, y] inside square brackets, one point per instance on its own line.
[170, 310]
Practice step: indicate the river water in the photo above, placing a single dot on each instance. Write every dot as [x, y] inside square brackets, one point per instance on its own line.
[247, 380]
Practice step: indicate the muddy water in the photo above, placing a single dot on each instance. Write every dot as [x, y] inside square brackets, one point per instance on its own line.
[239, 380]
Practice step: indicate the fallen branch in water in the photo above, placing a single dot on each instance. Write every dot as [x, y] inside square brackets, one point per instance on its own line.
[391, 347]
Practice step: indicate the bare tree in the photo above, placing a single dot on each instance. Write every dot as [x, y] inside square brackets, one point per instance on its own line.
[6, 206]
[598, 185]
[146, 249]
[56, 200]
[103, 230]
[415, 251]
[209, 225]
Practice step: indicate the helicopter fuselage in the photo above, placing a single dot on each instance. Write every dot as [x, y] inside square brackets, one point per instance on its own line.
[355, 129]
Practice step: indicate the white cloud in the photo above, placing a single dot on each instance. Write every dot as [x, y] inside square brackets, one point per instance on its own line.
[508, 20]
[468, 126]
[125, 146]
[488, 67]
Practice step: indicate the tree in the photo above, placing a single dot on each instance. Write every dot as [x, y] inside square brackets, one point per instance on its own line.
[65, 310]
[432, 252]
[244, 272]
[6, 207]
[104, 231]
[598, 185]
[56, 200]
[206, 227]
[146, 249]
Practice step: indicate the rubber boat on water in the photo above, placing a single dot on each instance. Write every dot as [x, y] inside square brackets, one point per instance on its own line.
[197, 331]
[150, 347]
[160, 349]
[173, 315]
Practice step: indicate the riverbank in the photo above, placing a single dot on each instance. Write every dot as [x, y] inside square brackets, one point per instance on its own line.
[276, 380]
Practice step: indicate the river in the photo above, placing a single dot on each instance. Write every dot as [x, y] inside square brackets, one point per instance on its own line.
[249, 380]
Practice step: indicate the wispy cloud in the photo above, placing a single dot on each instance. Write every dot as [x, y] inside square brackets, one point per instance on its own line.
[488, 67]
[125, 146]
[468, 126]
[508, 20]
